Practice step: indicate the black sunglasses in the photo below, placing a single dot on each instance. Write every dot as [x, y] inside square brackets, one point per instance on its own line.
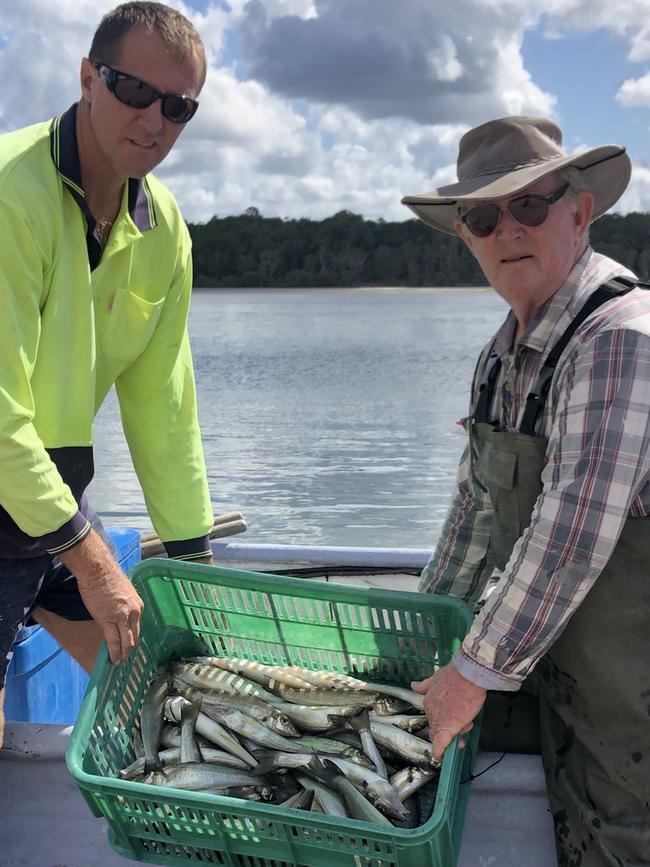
[530, 209]
[138, 94]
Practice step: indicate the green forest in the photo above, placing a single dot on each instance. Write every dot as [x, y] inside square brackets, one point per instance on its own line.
[250, 250]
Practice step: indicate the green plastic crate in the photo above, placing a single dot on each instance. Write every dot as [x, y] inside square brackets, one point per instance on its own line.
[196, 609]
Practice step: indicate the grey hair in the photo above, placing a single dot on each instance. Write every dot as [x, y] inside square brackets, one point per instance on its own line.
[577, 184]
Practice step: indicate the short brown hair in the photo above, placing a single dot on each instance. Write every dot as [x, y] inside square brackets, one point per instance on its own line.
[177, 33]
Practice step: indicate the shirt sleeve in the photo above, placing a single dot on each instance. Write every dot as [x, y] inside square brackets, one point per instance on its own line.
[157, 398]
[461, 562]
[598, 459]
[31, 488]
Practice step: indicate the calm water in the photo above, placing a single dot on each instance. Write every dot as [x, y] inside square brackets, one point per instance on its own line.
[328, 416]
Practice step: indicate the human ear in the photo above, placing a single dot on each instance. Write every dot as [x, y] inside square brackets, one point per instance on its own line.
[465, 236]
[583, 212]
[87, 75]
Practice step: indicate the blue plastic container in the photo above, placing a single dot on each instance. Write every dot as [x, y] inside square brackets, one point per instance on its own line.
[44, 683]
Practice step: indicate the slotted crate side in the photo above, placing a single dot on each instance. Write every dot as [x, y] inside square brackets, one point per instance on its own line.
[191, 609]
[352, 630]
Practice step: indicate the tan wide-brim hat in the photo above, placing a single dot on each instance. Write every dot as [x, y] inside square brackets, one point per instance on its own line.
[504, 156]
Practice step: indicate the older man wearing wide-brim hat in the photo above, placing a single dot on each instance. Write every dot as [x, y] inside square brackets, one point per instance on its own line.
[551, 512]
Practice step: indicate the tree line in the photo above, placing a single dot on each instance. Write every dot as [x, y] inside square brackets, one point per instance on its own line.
[250, 250]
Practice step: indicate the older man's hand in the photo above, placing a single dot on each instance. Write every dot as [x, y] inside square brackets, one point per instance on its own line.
[451, 702]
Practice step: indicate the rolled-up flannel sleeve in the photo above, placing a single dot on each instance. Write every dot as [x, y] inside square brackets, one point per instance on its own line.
[598, 460]
[32, 491]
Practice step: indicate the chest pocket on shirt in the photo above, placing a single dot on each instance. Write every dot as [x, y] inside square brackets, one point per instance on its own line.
[130, 326]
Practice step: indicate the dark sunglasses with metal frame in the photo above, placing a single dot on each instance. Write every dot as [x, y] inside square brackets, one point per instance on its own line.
[136, 93]
[531, 209]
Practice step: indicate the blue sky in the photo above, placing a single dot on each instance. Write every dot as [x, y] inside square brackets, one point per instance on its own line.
[314, 106]
[585, 71]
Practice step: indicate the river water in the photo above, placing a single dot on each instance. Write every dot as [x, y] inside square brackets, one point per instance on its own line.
[328, 416]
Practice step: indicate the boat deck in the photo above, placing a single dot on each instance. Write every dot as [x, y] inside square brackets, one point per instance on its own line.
[46, 822]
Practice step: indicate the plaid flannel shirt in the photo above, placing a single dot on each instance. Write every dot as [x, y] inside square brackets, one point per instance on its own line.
[597, 422]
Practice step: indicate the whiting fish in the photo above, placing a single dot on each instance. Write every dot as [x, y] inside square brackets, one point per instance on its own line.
[358, 806]
[408, 780]
[329, 801]
[361, 724]
[196, 777]
[245, 725]
[409, 747]
[151, 719]
[318, 719]
[268, 715]
[210, 729]
[190, 751]
[280, 734]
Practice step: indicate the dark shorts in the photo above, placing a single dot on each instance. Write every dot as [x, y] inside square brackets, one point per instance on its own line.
[38, 582]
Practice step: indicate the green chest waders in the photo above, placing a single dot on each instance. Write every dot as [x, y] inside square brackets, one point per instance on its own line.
[593, 684]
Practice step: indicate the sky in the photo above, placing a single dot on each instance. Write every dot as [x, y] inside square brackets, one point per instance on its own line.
[311, 107]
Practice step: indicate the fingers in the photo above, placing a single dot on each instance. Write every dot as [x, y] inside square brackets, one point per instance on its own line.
[112, 638]
[421, 686]
[135, 627]
[127, 641]
[121, 637]
[440, 741]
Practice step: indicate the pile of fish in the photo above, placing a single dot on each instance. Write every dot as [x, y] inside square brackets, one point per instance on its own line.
[300, 739]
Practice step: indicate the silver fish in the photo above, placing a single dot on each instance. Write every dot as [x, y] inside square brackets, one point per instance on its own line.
[210, 729]
[266, 675]
[138, 746]
[330, 746]
[208, 677]
[380, 791]
[361, 724]
[412, 809]
[190, 751]
[410, 747]
[318, 719]
[330, 802]
[409, 722]
[359, 807]
[196, 777]
[245, 725]
[268, 715]
[414, 699]
[299, 801]
[324, 697]
[408, 780]
[248, 793]
[151, 718]
[136, 768]
[389, 706]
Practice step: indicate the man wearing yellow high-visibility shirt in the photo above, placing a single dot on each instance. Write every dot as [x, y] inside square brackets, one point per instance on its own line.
[95, 283]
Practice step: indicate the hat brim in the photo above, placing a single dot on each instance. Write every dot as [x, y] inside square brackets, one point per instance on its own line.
[607, 171]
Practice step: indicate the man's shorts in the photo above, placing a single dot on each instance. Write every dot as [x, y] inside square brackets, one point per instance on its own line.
[38, 582]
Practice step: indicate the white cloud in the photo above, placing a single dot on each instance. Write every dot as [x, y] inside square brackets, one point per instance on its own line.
[637, 195]
[314, 106]
[444, 62]
[635, 92]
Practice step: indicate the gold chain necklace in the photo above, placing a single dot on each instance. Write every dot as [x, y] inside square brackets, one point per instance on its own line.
[103, 228]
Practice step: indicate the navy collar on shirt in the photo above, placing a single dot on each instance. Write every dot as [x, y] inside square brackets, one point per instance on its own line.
[65, 154]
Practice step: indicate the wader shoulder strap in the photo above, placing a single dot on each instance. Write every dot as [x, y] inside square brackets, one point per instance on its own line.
[486, 388]
[537, 398]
